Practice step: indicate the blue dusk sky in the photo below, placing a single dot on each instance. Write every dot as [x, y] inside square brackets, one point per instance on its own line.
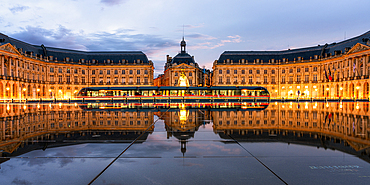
[156, 26]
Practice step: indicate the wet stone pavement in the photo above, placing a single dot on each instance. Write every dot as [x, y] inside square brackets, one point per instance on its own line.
[254, 143]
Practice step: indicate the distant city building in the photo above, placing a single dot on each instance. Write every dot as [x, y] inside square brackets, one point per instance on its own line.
[182, 70]
[337, 70]
[29, 71]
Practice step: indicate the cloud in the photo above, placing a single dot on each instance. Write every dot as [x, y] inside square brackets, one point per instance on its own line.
[200, 36]
[18, 181]
[211, 45]
[18, 8]
[60, 37]
[112, 2]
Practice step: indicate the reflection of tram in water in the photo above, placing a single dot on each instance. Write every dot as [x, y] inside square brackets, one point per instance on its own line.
[233, 93]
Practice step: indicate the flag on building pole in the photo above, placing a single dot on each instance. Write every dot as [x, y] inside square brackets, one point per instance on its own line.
[330, 77]
[354, 67]
[326, 75]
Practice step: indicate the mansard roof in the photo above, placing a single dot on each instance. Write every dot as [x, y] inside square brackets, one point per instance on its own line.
[183, 58]
[75, 55]
[293, 54]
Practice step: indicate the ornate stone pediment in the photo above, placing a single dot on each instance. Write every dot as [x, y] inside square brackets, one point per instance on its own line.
[358, 47]
[183, 66]
[9, 48]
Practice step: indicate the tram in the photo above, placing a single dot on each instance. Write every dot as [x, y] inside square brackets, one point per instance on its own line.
[174, 91]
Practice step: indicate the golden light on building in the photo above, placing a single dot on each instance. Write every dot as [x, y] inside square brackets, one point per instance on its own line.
[7, 88]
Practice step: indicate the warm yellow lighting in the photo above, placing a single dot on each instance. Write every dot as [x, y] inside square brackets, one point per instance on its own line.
[38, 90]
[7, 107]
[183, 80]
[358, 87]
[340, 88]
[60, 105]
[291, 103]
[38, 106]
[60, 91]
[275, 90]
[49, 90]
[327, 104]
[340, 106]
[290, 87]
[283, 87]
[306, 105]
[24, 107]
[357, 106]
[283, 106]
[306, 87]
[315, 89]
[298, 87]
[327, 89]
[276, 103]
[24, 89]
[7, 88]
[314, 86]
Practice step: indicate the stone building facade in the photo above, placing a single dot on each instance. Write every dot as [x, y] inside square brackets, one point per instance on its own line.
[337, 70]
[32, 72]
[179, 67]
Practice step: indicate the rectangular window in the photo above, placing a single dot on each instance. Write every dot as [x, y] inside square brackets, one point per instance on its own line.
[101, 72]
[60, 78]
[83, 71]
[243, 71]
[220, 71]
[250, 79]
[314, 68]
[137, 80]
[51, 70]
[51, 78]
[146, 72]
[68, 70]
[265, 79]
[130, 72]
[264, 71]
[306, 78]
[306, 69]
[298, 70]
[93, 72]
[60, 70]
[227, 71]
[298, 78]
[315, 77]
[138, 72]
[250, 71]
[235, 71]
[76, 71]
[283, 71]
[93, 80]
[220, 80]
[258, 71]
[83, 80]
[123, 72]
[190, 74]
[273, 79]
[283, 79]
[108, 72]
[190, 82]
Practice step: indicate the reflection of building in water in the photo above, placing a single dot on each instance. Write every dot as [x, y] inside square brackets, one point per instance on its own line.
[183, 123]
[339, 125]
[20, 124]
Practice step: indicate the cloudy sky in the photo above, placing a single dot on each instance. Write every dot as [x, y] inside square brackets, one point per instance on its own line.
[156, 26]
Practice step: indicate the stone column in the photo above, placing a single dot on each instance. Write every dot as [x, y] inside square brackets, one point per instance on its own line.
[2, 65]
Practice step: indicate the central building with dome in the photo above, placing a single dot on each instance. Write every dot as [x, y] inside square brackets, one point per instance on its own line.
[183, 71]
